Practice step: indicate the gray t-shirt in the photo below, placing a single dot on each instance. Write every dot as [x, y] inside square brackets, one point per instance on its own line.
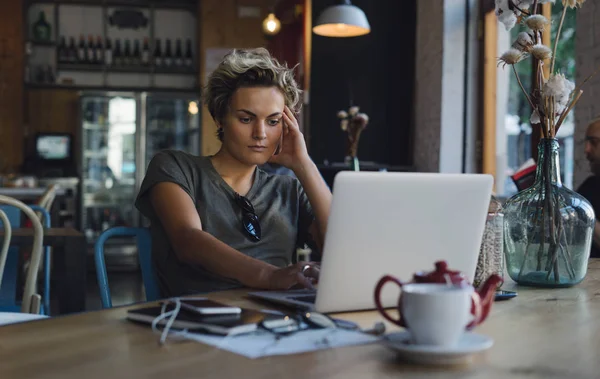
[280, 202]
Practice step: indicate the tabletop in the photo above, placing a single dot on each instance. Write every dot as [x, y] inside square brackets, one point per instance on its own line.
[542, 333]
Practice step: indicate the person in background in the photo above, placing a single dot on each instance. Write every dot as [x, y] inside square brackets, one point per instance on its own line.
[590, 189]
[221, 222]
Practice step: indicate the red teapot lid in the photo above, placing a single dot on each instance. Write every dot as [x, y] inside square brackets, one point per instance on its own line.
[439, 275]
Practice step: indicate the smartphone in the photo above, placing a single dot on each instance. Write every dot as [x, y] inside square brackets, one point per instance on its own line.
[504, 295]
[205, 306]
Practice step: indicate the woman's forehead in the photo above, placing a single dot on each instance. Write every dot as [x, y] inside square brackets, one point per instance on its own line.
[258, 99]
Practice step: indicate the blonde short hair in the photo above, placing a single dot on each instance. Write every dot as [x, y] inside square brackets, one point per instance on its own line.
[248, 68]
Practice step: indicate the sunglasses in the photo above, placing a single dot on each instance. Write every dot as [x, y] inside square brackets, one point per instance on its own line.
[302, 321]
[249, 218]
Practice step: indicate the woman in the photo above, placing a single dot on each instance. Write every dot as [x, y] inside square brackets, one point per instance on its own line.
[220, 222]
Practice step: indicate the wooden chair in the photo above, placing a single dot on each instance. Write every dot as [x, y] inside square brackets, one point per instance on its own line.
[31, 300]
[6, 242]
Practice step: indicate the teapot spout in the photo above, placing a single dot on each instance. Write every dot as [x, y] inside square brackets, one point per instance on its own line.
[487, 292]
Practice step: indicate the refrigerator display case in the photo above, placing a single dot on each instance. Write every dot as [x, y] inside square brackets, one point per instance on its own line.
[121, 132]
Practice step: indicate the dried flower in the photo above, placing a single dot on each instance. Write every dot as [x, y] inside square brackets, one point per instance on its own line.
[353, 123]
[541, 52]
[505, 15]
[560, 88]
[344, 124]
[535, 117]
[362, 118]
[511, 56]
[572, 3]
[524, 42]
[537, 22]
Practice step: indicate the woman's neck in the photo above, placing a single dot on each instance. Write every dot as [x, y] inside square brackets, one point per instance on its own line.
[238, 175]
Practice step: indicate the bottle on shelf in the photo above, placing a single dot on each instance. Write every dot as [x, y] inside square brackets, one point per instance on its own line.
[117, 59]
[99, 51]
[136, 58]
[145, 53]
[168, 57]
[189, 58]
[72, 51]
[178, 61]
[108, 53]
[158, 60]
[81, 51]
[41, 29]
[91, 50]
[62, 51]
[127, 53]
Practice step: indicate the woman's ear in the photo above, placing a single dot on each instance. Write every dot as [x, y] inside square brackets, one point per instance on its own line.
[220, 132]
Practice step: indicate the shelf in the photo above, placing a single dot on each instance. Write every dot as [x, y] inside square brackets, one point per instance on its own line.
[43, 86]
[101, 68]
[189, 5]
[175, 70]
[126, 69]
[42, 43]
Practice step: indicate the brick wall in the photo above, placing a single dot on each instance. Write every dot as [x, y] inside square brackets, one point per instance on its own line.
[587, 50]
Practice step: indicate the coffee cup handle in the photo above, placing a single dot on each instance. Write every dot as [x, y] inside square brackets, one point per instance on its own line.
[380, 308]
[476, 311]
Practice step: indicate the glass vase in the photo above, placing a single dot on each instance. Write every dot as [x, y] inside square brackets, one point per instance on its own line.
[547, 228]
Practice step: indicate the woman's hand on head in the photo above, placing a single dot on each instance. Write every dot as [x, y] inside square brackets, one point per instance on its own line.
[293, 147]
[298, 275]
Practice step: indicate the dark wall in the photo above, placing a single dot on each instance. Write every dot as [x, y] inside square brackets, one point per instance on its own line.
[375, 72]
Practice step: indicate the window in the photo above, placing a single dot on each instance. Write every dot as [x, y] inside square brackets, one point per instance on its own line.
[514, 134]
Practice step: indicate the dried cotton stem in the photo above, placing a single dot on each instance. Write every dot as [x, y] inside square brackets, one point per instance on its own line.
[566, 111]
[562, 19]
[522, 88]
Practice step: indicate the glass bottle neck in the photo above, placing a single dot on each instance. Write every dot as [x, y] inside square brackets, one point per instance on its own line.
[548, 162]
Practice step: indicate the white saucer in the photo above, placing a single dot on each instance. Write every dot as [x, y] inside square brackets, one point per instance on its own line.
[468, 344]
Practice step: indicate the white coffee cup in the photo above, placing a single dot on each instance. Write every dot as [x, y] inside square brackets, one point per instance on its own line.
[435, 313]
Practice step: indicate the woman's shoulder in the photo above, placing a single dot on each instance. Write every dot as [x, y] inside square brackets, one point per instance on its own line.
[168, 155]
[177, 158]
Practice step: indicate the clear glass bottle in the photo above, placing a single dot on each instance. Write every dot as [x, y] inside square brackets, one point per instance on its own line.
[547, 228]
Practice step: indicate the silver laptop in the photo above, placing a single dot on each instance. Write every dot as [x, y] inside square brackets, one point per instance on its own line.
[393, 223]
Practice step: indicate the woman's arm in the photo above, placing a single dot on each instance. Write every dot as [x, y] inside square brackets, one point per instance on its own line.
[179, 217]
[294, 156]
[319, 197]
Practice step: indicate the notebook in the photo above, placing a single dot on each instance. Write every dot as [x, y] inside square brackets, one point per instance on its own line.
[223, 324]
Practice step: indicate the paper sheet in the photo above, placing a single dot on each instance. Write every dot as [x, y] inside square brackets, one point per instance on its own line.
[262, 344]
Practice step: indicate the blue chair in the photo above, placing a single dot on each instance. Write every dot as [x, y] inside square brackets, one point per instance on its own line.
[8, 301]
[144, 245]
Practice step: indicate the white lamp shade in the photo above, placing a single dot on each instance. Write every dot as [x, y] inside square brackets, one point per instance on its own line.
[342, 21]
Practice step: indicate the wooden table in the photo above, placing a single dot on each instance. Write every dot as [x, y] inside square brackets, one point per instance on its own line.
[69, 263]
[539, 334]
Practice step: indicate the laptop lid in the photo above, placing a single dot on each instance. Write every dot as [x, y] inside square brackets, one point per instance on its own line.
[398, 223]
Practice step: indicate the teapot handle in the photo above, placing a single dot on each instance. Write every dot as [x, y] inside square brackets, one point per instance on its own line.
[476, 310]
[380, 308]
